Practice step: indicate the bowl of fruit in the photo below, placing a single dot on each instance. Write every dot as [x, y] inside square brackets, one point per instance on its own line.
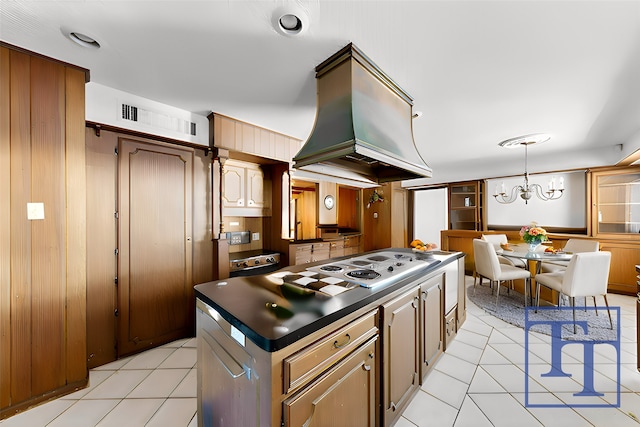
[419, 246]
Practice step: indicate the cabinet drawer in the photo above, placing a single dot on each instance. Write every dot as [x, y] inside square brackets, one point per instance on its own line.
[300, 249]
[311, 361]
[345, 395]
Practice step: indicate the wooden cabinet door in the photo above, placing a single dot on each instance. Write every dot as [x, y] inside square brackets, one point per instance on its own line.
[255, 187]
[233, 187]
[400, 354]
[431, 344]
[155, 290]
[344, 396]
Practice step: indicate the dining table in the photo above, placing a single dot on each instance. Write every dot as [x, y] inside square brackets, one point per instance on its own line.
[533, 259]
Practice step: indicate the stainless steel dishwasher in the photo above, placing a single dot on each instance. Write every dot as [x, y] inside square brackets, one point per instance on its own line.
[229, 379]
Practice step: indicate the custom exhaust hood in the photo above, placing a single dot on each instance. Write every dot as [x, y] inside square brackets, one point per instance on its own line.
[363, 130]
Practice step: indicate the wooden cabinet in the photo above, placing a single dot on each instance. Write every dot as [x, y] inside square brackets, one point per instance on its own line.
[465, 206]
[336, 248]
[243, 190]
[235, 135]
[309, 252]
[352, 245]
[616, 201]
[400, 367]
[431, 345]
[343, 396]
[334, 380]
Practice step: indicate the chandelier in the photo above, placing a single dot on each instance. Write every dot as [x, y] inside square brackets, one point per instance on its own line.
[526, 191]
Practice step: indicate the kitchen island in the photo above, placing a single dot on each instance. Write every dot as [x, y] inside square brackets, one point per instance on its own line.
[273, 352]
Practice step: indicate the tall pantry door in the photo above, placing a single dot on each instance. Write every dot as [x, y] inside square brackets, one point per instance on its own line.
[155, 244]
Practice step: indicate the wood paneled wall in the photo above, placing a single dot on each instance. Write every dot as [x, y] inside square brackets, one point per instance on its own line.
[42, 262]
[385, 223]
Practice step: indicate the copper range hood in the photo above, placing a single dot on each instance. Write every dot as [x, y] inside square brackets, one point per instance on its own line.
[363, 128]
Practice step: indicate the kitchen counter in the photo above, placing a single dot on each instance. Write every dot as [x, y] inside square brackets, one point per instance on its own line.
[273, 316]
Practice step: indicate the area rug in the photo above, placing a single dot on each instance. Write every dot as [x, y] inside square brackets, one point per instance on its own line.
[510, 308]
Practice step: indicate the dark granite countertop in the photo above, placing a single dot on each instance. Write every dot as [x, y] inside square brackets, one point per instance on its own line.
[274, 316]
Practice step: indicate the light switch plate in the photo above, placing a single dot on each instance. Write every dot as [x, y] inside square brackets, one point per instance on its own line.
[255, 236]
[35, 211]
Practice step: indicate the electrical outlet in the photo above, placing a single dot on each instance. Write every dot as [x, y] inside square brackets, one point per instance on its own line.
[255, 236]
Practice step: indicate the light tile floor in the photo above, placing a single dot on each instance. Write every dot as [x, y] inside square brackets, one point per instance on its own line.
[479, 381]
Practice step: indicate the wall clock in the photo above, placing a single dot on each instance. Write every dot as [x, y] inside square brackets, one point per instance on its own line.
[329, 202]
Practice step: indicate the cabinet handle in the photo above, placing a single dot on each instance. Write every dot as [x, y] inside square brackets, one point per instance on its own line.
[366, 367]
[336, 345]
[393, 406]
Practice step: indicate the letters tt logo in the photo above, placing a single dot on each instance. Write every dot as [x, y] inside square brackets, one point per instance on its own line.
[567, 369]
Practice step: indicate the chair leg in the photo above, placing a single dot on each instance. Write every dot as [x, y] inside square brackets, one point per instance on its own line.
[497, 292]
[526, 285]
[573, 305]
[607, 304]
[594, 304]
[537, 296]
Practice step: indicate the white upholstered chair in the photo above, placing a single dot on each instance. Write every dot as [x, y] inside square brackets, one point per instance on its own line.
[586, 275]
[574, 246]
[497, 240]
[501, 239]
[488, 265]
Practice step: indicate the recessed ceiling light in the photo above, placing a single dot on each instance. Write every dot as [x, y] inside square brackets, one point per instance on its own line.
[84, 40]
[534, 138]
[290, 21]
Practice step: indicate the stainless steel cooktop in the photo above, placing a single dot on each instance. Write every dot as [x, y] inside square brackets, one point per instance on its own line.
[378, 269]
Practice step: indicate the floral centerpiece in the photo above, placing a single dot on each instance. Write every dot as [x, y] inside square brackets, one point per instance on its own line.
[533, 235]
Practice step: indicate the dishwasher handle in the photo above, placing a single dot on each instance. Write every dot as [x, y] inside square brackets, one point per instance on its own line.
[235, 369]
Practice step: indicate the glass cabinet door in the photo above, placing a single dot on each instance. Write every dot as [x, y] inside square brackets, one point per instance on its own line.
[617, 202]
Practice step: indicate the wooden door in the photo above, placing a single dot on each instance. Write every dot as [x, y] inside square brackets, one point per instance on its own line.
[155, 294]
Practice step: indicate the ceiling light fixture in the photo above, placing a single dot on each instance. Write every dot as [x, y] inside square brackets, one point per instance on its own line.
[289, 21]
[553, 192]
[83, 40]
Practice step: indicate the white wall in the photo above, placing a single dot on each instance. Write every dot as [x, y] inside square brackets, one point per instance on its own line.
[104, 106]
[430, 214]
[568, 211]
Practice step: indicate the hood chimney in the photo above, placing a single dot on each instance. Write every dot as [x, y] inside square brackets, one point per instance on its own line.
[363, 128]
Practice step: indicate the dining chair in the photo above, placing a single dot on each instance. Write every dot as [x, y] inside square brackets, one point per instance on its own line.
[488, 265]
[497, 240]
[573, 246]
[586, 275]
[501, 239]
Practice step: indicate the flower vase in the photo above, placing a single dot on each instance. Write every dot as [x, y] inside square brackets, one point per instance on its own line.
[533, 245]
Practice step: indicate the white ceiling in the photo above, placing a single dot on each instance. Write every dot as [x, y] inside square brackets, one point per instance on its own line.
[479, 71]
